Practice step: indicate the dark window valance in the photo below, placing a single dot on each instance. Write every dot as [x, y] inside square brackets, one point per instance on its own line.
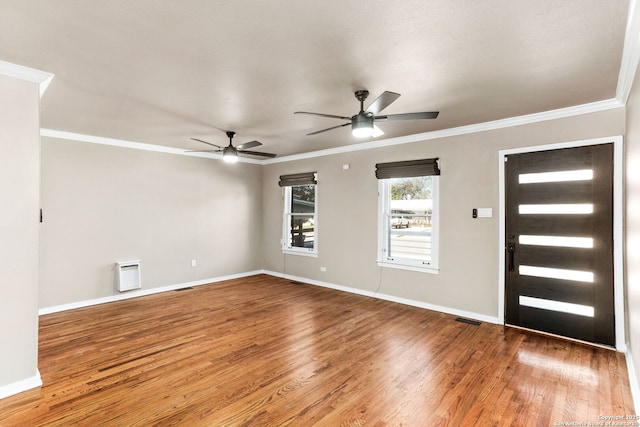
[306, 178]
[407, 169]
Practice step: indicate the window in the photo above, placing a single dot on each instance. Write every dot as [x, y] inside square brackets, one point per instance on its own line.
[300, 221]
[408, 217]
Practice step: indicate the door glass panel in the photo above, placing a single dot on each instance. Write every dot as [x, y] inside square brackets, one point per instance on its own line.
[563, 176]
[561, 209]
[565, 307]
[556, 273]
[557, 241]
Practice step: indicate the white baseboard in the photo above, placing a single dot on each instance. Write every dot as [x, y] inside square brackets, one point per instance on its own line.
[405, 301]
[442, 309]
[633, 380]
[20, 386]
[141, 292]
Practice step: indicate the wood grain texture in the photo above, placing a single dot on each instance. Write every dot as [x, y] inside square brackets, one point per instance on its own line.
[262, 351]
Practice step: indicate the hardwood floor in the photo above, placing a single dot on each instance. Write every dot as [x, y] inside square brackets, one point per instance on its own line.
[263, 351]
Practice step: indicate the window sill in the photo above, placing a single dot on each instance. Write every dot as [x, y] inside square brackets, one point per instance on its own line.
[429, 269]
[301, 253]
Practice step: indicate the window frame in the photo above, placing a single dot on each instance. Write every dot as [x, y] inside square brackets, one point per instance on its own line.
[287, 248]
[384, 211]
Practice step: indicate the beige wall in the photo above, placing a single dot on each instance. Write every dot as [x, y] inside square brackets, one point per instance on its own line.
[104, 204]
[632, 219]
[19, 194]
[347, 213]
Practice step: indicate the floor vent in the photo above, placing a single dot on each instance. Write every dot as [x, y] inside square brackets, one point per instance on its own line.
[469, 321]
[184, 289]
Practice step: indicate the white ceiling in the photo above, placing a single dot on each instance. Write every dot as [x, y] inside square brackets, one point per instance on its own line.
[160, 71]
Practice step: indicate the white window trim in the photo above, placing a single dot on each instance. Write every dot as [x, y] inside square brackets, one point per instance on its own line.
[384, 200]
[294, 250]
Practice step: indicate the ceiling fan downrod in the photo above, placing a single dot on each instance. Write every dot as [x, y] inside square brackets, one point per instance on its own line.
[361, 95]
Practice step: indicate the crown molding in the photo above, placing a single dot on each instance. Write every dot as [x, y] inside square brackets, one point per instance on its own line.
[560, 113]
[58, 134]
[42, 78]
[630, 54]
[444, 133]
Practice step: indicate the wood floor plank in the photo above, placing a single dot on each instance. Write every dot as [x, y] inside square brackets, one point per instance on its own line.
[263, 351]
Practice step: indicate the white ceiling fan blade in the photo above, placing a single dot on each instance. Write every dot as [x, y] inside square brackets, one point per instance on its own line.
[376, 131]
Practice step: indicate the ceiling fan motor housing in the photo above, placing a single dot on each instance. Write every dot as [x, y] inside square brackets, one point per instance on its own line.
[362, 125]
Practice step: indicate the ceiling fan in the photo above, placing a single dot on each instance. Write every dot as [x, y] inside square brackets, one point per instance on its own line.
[230, 153]
[363, 123]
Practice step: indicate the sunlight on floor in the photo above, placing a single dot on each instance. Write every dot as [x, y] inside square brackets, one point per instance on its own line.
[563, 369]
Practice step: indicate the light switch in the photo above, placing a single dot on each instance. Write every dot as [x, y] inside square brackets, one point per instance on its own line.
[485, 212]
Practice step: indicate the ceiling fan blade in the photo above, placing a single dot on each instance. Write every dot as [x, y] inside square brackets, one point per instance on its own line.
[249, 144]
[323, 115]
[256, 153]
[382, 102]
[331, 128]
[408, 116]
[203, 151]
[199, 140]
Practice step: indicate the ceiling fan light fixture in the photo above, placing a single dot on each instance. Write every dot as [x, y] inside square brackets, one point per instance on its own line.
[362, 126]
[229, 155]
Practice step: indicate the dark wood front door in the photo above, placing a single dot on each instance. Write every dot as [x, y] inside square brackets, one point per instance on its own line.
[559, 242]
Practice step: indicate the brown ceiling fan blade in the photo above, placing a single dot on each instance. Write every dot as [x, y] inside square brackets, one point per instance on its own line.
[331, 128]
[408, 116]
[250, 144]
[331, 116]
[382, 102]
[256, 153]
[205, 142]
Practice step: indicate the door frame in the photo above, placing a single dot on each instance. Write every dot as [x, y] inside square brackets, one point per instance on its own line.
[618, 236]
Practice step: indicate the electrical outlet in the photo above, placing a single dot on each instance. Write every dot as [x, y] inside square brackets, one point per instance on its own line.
[323, 268]
[193, 263]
